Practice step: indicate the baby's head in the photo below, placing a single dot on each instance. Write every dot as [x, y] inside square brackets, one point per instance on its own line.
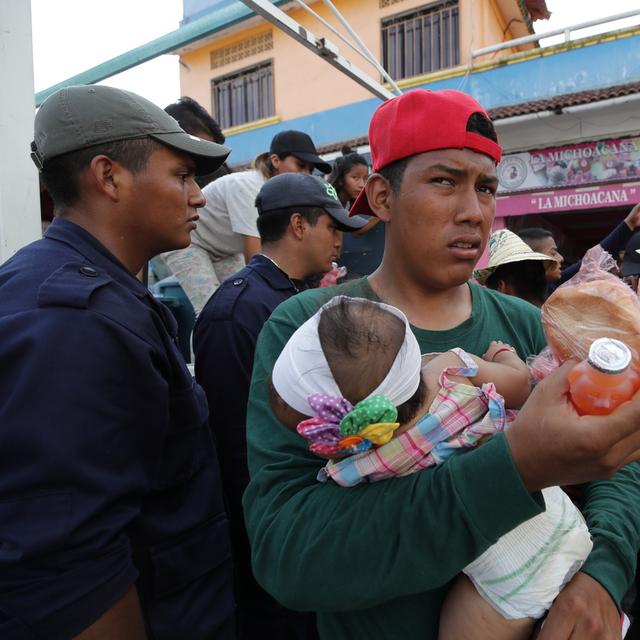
[351, 351]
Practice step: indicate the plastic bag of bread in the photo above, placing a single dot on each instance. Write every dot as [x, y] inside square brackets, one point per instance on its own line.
[593, 304]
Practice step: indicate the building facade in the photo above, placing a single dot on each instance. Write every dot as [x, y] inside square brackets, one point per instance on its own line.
[565, 114]
[256, 80]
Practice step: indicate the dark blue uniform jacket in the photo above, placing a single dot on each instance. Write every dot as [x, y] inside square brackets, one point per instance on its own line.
[224, 342]
[108, 474]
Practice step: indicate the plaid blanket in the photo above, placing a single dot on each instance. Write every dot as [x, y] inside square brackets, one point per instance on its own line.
[459, 417]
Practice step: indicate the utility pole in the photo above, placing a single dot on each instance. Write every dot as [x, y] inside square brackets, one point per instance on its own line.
[19, 190]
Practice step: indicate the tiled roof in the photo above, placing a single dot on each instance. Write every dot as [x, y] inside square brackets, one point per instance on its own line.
[566, 100]
[552, 104]
[500, 113]
[354, 143]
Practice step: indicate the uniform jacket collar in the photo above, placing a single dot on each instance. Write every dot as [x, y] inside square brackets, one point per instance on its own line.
[271, 272]
[95, 252]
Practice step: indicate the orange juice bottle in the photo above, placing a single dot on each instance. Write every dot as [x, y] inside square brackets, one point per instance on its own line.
[604, 380]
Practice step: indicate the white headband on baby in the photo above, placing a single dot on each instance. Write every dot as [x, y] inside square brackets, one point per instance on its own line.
[302, 369]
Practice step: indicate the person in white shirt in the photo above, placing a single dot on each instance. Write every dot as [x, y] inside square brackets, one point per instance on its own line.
[227, 235]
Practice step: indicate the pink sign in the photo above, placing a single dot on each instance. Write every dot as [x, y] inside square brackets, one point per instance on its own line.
[595, 197]
[613, 160]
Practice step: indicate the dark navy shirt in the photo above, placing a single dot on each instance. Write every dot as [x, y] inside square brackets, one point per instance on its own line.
[224, 343]
[108, 473]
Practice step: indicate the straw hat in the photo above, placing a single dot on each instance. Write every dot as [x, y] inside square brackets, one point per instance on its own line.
[506, 247]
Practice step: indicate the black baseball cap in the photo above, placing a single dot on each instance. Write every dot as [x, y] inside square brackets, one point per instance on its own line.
[631, 261]
[300, 145]
[291, 190]
[83, 116]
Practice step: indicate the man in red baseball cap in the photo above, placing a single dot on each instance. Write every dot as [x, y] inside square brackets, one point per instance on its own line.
[377, 561]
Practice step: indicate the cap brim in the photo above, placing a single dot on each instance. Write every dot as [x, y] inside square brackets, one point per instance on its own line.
[316, 161]
[343, 221]
[360, 206]
[372, 221]
[481, 275]
[207, 155]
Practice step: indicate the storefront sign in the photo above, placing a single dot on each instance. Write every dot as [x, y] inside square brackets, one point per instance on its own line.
[587, 163]
[605, 195]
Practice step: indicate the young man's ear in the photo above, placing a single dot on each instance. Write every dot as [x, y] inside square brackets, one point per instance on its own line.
[379, 194]
[105, 176]
[298, 225]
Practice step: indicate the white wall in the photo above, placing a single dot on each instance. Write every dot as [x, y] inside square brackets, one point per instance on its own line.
[19, 192]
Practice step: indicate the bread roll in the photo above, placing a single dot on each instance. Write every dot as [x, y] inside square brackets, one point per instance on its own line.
[575, 315]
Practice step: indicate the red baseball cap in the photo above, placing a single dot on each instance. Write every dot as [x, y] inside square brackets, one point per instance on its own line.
[420, 121]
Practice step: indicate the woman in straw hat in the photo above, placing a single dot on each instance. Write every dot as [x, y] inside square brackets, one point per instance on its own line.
[514, 268]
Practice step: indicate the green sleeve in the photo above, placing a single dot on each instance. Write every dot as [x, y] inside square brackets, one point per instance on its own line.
[611, 511]
[317, 546]
[539, 339]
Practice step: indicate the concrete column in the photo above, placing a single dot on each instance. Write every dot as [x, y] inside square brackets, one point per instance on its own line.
[19, 191]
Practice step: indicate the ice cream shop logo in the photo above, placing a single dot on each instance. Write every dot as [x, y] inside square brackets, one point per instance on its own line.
[512, 172]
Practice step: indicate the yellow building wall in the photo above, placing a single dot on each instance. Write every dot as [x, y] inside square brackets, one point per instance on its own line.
[303, 82]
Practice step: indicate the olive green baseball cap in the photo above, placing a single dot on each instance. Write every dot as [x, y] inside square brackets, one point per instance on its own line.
[83, 116]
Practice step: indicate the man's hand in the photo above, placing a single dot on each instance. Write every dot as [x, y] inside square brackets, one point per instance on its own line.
[552, 445]
[633, 218]
[584, 610]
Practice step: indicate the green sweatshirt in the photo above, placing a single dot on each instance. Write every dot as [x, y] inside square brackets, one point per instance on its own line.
[375, 561]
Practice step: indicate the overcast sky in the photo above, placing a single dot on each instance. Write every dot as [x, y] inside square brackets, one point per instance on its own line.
[70, 36]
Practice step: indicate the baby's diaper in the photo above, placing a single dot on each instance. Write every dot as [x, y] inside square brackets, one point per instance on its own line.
[522, 574]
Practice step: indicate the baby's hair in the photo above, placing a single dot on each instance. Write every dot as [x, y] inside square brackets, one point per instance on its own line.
[360, 341]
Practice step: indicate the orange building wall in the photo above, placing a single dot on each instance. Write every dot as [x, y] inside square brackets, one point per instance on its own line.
[304, 83]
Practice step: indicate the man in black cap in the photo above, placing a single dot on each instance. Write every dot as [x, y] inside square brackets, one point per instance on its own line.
[300, 222]
[300, 146]
[112, 517]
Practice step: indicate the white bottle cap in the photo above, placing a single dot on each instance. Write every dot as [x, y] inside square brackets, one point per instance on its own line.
[609, 355]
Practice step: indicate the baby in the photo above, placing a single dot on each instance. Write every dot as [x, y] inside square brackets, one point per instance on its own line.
[351, 381]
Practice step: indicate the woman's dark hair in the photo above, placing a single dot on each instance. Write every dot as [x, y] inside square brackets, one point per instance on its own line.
[526, 278]
[341, 166]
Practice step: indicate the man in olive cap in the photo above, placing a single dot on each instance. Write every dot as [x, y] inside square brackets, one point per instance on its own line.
[110, 500]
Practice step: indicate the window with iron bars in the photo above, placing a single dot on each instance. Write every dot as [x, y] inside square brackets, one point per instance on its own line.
[243, 96]
[421, 41]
